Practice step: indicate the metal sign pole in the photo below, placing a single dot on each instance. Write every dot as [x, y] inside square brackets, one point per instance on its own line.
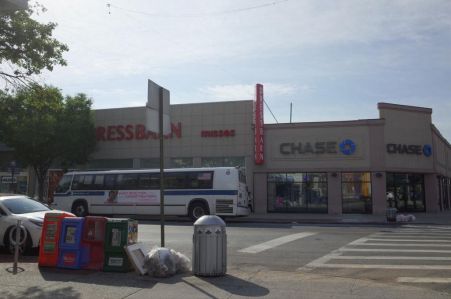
[160, 125]
[16, 247]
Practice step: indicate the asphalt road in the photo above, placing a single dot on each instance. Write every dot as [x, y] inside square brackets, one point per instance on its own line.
[410, 255]
[407, 257]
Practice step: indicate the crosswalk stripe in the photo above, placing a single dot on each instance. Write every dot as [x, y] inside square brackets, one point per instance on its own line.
[410, 244]
[357, 254]
[424, 279]
[384, 257]
[275, 242]
[392, 250]
[414, 234]
[409, 240]
[399, 267]
[410, 236]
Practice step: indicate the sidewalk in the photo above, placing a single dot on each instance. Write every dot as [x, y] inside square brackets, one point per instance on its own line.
[241, 282]
[440, 218]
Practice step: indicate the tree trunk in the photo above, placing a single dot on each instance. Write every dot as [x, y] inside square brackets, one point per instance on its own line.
[41, 174]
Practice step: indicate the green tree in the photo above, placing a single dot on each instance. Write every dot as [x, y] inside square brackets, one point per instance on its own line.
[45, 129]
[27, 46]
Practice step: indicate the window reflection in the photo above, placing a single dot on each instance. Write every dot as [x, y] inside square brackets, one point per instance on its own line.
[356, 192]
[297, 192]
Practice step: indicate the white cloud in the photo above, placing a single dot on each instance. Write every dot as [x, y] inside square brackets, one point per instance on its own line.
[128, 42]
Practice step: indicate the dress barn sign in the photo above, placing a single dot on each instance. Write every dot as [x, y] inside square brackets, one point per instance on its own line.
[258, 134]
[133, 132]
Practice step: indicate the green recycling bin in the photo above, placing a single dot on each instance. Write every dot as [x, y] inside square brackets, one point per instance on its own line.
[119, 233]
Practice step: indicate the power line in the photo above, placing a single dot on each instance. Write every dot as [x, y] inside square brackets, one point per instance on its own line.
[267, 106]
[194, 15]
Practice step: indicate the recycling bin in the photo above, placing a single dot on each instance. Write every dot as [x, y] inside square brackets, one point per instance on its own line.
[209, 246]
[50, 237]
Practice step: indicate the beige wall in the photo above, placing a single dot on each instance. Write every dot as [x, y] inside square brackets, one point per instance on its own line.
[397, 124]
[410, 126]
[193, 118]
[357, 131]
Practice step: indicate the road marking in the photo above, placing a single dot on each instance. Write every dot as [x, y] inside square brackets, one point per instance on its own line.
[377, 257]
[399, 267]
[424, 279]
[426, 237]
[326, 261]
[408, 240]
[275, 242]
[415, 233]
[410, 244]
[427, 227]
[391, 250]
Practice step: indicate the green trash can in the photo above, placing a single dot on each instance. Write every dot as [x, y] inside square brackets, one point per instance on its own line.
[118, 234]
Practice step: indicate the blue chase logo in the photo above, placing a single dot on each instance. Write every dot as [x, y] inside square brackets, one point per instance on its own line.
[427, 150]
[347, 147]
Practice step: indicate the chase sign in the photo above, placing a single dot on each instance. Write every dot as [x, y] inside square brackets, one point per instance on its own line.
[410, 149]
[346, 147]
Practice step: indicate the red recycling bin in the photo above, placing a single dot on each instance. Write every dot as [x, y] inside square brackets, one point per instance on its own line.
[94, 238]
[50, 236]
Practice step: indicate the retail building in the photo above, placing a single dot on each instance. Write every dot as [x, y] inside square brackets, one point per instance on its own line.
[337, 167]
[360, 166]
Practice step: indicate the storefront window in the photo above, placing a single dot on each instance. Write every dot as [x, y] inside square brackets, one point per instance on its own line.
[181, 162]
[356, 192]
[444, 193]
[297, 192]
[110, 164]
[223, 162]
[19, 185]
[405, 191]
[150, 163]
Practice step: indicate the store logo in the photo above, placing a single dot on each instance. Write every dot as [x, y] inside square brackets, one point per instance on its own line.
[347, 147]
[410, 149]
[427, 150]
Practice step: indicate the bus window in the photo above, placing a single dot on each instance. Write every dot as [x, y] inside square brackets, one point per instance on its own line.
[83, 182]
[127, 181]
[63, 185]
[98, 182]
[110, 181]
[199, 180]
[148, 181]
[175, 180]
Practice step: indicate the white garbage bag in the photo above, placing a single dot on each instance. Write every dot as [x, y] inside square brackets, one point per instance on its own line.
[165, 262]
[411, 217]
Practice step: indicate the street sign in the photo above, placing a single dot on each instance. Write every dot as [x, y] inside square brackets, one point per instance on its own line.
[152, 106]
[9, 180]
[157, 120]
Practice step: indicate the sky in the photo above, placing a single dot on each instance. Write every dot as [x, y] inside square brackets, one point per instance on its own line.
[333, 60]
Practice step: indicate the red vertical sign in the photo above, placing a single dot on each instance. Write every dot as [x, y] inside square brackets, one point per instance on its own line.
[258, 135]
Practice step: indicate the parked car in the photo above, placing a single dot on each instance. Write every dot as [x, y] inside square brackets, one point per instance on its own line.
[30, 211]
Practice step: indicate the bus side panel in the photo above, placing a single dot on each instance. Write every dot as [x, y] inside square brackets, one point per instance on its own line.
[97, 201]
[174, 204]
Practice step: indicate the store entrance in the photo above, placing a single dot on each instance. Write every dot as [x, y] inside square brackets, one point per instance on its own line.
[405, 192]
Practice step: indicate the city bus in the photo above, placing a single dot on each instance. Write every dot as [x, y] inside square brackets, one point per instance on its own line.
[192, 192]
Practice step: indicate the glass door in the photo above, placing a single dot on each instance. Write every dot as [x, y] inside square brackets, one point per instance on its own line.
[405, 192]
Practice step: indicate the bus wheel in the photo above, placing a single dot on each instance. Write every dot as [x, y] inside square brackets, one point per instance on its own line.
[80, 209]
[197, 210]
